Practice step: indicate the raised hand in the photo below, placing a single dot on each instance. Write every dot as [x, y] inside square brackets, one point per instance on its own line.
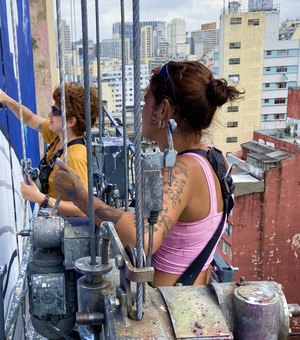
[31, 192]
[3, 96]
[67, 183]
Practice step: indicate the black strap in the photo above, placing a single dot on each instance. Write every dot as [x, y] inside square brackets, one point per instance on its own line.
[218, 164]
[47, 167]
[60, 151]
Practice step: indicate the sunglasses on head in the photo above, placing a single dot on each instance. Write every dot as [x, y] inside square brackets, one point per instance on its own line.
[169, 85]
[55, 111]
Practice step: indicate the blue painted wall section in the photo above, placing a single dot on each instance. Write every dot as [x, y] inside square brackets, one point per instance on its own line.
[9, 124]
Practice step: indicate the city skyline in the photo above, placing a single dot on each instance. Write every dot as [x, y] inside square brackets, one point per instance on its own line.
[160, 10]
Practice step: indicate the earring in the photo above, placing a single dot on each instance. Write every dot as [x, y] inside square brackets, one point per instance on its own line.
[161, 124]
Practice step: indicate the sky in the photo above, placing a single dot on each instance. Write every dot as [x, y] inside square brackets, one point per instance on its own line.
[195, 12]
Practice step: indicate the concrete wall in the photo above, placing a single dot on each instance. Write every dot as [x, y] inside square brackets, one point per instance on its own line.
[266, 232]
[293, 106]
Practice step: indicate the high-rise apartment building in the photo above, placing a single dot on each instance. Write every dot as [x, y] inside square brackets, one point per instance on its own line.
[176, 35]
[158, 33]
[146, 43]
[112, 74]
[67, 47]
[112, 48]
[252, 57]
[205, 40]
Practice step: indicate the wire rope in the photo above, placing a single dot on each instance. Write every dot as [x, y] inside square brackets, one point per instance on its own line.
[17, 74]
[9, 139]
[98, 52]
[62, 87]
[87, 110]
[137, 146]
[124, 105]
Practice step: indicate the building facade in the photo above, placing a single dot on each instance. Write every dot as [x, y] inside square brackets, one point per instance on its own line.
[112, 78]
[252, 57]
[265, 243]
[112, 48]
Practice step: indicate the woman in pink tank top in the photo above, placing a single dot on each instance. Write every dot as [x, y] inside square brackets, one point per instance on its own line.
[192, 204]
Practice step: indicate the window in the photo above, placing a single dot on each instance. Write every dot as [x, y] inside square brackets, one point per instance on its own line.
[235, 21]
[234, 61]
[279, 116]
[266, 101]
[231, 139]
[281, 85]
[280, 100]
[226, 249]
[269, 52]
[265, 117]
[232, 124]
[228, 230]
[281, 69]
[282, 53]
[234, 78]
[268, 69]
[253, 22]
[235, 45]
[267, 84]
[232, 109]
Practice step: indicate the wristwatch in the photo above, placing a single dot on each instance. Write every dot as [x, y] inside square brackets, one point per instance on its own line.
[45, 202]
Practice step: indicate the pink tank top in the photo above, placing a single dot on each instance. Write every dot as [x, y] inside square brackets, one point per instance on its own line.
[187, 239]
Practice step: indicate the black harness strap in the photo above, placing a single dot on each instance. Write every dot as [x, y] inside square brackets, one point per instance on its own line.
[216, 159]
[47, 167]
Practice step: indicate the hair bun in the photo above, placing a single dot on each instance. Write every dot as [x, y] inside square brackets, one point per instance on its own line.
[216, 92]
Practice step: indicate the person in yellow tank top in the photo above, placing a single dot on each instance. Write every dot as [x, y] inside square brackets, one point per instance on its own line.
[52, 133]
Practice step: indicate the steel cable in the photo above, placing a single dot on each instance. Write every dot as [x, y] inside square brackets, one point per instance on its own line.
[100, 113]
[138, 148]
[124, 121]
[62, 88]
[87, 109]
[16, 60]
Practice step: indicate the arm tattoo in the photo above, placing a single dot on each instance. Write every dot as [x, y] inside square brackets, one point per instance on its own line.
[107, 213]
[166, 222]
[40, 127]
[173, 193]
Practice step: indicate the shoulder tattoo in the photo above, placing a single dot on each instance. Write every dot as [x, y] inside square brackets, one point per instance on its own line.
[173, 192]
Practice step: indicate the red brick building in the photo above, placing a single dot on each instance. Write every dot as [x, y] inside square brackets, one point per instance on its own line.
[266, 218]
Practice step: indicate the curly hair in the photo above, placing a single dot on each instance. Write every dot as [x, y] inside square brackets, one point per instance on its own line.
[74, 99]
[193, 93]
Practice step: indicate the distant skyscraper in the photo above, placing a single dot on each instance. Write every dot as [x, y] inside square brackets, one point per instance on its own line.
[158, 31]
[112, 48]
[176, 34]
[146, 43]
[67, 44]
[204, 41]
[112, 75]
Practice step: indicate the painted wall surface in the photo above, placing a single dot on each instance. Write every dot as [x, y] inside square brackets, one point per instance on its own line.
[8, 76]
[266, 229]
[13, 212]
[293, 106]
